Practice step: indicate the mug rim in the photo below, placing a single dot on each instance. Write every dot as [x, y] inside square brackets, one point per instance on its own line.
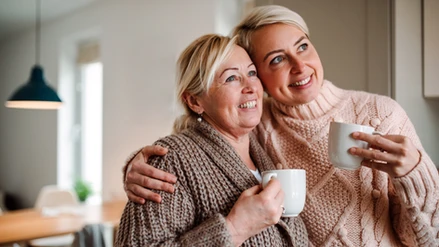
[350, 124]
[285, 170]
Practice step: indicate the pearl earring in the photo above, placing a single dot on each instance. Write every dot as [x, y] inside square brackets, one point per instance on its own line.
[199, 119]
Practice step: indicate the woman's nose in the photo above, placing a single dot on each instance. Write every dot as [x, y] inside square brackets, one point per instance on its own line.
[297, 66]
[249, 86]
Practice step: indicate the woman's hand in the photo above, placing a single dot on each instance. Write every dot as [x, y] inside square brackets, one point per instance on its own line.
[393, 154]
[255, 210]
[141, 177]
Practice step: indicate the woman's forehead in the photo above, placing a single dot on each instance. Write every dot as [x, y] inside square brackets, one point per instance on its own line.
[275, 36]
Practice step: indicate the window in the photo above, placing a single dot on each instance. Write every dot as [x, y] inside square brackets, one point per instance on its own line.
[80, 120]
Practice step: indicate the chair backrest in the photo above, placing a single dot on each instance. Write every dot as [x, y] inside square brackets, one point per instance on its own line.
[99, 235]
[2, 202]
[52, 196]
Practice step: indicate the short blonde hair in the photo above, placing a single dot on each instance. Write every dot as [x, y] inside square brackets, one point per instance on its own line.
[196, 68]
[266, 15]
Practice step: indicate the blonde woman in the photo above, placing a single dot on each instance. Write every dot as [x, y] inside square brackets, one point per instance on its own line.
[217, 200]
[392, 200]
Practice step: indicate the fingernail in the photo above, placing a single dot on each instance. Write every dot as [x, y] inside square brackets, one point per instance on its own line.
[355, 134]
[352, 150]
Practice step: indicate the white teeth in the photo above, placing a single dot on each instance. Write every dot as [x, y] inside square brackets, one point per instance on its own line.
[248, 105]
[302, 82]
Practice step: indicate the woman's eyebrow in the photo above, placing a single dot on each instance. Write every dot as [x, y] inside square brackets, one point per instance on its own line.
[227, 69]
[232, 68]
[281, 50]
[271, 52]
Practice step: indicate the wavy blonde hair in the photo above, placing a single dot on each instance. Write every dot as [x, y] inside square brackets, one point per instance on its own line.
[196, 68]
[262, 16]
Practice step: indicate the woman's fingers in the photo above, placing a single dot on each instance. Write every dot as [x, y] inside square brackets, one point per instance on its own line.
[141, 178]
[139, 165]
[150, 173]
[140, 200]
[273, 197]
[252, 191]
[373, 154]
[146, 177]
[272, 189]
[394, 154]
[384, 142]
[149, 151]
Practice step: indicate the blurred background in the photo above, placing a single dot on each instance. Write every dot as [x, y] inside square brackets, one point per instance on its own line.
[112, 62]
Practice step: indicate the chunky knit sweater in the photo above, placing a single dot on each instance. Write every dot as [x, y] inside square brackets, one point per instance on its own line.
[353, 208]
[211, 177]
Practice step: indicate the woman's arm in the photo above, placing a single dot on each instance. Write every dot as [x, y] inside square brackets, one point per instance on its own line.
[418, 195]
[414, 181]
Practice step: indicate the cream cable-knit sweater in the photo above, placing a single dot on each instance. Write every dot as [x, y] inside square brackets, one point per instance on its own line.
[353, 208]
[211, 177]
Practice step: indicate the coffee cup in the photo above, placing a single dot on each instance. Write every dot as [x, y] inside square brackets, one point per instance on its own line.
[341, 140]
[293, 183]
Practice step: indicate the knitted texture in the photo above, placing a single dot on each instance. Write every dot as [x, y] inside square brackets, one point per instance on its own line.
[353, 208]
[211, 177]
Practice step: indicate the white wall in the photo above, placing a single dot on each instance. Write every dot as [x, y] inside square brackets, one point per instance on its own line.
[140, 43]
[408, 75]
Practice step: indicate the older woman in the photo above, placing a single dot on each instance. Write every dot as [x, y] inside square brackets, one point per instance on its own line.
[392, 200]
[217, 200]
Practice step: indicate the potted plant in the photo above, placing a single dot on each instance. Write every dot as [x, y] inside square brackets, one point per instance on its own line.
[83, 190]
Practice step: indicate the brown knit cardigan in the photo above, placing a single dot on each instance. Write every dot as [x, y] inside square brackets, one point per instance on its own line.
[211, 177]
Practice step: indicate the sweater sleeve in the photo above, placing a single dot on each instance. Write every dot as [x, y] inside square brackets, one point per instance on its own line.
[415, 199]
[172, 222]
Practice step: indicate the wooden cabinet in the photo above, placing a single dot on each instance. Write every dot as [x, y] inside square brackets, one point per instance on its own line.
[431, 48]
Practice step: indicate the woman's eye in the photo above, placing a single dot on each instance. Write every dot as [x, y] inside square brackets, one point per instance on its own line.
[303, 47]
[276, 60]
[231, 78]
[252, 73]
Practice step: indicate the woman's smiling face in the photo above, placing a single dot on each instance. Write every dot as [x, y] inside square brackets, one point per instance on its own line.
[287, 63]
[233, 104]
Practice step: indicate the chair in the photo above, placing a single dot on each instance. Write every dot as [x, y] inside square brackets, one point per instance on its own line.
[2, 202]
[96, 235]
[53, 196]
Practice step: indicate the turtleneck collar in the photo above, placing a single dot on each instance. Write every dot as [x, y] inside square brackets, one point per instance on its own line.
[327, 99]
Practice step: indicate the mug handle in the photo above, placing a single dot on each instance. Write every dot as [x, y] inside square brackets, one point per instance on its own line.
[267, 177]
[377, 133]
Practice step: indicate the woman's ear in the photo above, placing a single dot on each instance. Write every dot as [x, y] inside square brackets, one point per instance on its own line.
[193, 103]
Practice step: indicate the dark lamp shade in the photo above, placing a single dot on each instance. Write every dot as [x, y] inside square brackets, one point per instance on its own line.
[35, 94]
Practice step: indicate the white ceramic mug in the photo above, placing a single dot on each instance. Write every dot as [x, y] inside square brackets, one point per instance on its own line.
[293, 182]
[340, 141]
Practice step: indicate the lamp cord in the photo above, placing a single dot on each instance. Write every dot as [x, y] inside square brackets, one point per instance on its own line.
[37, 32]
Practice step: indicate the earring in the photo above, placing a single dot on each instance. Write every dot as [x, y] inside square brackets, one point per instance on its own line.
[199, 119]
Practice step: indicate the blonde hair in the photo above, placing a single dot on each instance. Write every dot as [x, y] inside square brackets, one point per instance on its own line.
[266, 15]
[196, 68]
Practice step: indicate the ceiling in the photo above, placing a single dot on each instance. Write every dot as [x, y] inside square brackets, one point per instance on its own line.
[16, 15]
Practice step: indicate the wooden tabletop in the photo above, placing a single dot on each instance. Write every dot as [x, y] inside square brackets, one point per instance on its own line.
[27, 224]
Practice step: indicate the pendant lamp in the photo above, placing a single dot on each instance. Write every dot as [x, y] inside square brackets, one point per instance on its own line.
[36, 93]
